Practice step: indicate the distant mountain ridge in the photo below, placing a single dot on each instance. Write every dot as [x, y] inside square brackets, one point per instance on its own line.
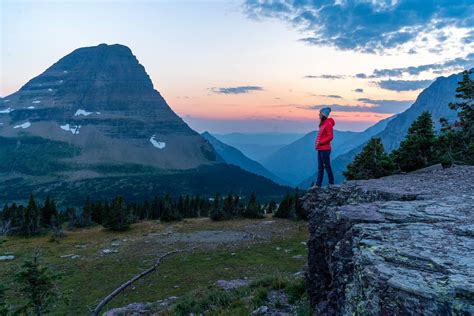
[235, 157]
[258, 146]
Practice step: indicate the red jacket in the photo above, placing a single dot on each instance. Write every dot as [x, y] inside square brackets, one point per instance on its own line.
[325, 135]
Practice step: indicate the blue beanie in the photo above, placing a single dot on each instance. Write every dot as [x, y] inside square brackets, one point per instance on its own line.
[325, 111]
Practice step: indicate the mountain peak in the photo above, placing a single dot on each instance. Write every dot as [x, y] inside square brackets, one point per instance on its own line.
[101, 100]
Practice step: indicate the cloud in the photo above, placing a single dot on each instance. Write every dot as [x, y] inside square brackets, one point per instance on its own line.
[366, 105]
[236, 90]
[359, 90]
[331, 96]
[451, 64]
[363, 25]
[387, 106]
[403, 85]
[331, 77]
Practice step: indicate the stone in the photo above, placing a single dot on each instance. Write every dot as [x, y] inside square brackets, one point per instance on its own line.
[261, 310]
[107, 251]
[7, 257]
[393, 246]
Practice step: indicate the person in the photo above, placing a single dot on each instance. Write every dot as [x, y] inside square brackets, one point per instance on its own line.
[323, 146]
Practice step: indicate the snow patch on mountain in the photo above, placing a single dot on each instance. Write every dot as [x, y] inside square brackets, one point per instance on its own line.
[157, 144]
[24, 125]
[6, 111]
[82, 112]
[74, 129]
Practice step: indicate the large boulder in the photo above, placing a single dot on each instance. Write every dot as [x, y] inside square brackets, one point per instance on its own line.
[400, 245]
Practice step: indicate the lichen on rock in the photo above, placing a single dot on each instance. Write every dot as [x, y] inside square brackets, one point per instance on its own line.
[400, 245]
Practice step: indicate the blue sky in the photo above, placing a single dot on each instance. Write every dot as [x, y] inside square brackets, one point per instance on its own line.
[255, 66]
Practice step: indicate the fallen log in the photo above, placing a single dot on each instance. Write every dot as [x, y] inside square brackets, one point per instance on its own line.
[122, 287]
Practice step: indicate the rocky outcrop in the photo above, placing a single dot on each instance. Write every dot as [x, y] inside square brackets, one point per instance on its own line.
[400, 245]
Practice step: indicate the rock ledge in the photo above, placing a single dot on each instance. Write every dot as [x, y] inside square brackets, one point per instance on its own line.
[393, 246]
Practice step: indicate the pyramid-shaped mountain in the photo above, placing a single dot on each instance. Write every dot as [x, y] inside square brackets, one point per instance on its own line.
[93, 124]
[101, 100]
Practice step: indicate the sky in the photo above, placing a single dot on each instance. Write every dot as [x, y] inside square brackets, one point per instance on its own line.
[255, 66]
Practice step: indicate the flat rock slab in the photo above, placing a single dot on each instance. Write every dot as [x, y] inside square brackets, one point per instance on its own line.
[398, 245]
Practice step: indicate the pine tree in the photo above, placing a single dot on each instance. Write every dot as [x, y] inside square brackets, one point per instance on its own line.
[456, 142]
[271, 207]
[253, 208]
[228, 207]
[48, 212]
[37, 286]
[418, 148]
[371, 162]
[217, 212]
[97, 215]
[87, 211]
[32, 217]
[118, 218]
[285, 208]
[170, 210]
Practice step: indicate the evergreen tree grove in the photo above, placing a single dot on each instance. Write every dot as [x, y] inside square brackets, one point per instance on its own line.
[371, 162]
[417, 150]
[117, 218]
[456, 142]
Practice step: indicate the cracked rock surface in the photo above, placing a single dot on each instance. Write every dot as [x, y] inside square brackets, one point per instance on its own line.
[398, 245]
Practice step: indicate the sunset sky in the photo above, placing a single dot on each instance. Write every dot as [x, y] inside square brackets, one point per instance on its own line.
[255, 66]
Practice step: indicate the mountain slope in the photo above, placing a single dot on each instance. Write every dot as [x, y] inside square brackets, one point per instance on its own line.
[233, 156]
[298, 160]
[92, 123]
[434, 99]
[101, 100]
[258, 146]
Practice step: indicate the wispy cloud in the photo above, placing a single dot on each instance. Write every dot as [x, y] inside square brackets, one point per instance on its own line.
[403, 85]
[365, 105]
[367, 26]
[359, 90]
[331, 77]
[331, 96]
[466, 62]
[388, 106]
[236, 90]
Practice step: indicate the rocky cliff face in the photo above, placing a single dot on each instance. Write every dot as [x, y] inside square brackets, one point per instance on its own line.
[400, 245]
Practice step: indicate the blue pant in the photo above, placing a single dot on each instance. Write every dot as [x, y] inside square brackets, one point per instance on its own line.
[324, 162]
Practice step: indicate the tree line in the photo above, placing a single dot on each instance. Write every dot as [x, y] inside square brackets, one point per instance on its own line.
[117, 215]
[421, 146]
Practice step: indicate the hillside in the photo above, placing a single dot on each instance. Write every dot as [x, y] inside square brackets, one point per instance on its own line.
[235, 157]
